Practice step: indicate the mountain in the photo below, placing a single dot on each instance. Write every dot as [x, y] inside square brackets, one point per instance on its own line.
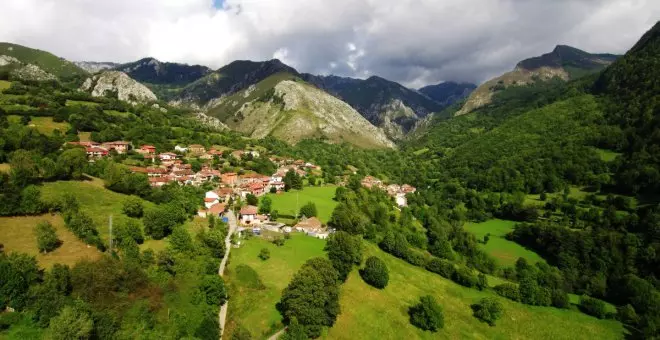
[95, 66]
[284, 106]
[564, 62]
[448, 92]
[229, 79]
[46, 61]
[384, 103]
[153, 71]
[126, 88]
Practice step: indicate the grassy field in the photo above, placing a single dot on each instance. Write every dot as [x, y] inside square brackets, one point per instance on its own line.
[607, 155]
[46, 125]
[255, 286]
[80, 103]
[16, 234]
[285, 203]
[575, 192]
[4, 85]
[504, 251]
[369, 313]
[4, 167]
[95, 200]
[85, 136]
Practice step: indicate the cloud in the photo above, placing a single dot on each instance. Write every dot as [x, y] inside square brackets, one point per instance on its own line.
[415, 42]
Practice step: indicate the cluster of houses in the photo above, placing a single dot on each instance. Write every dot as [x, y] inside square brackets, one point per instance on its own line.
[396, 191]
[251, 221]
[96, 150]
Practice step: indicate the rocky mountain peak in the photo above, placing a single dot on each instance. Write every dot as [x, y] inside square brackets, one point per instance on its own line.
[127, 89]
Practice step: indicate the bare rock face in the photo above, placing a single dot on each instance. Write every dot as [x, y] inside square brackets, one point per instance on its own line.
[33, 73]
[483, 95]
[126, 88]
[6, 60]
[298, 111]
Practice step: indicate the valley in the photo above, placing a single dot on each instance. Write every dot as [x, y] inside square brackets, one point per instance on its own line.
[522, 208]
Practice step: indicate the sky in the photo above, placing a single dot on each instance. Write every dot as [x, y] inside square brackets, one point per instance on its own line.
[414, 42]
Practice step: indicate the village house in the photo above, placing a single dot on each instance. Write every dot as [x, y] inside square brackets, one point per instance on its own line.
[95, 152]
[197, 149]
[167, 156]
[217, 210]
[180, 149]
[159, 181]
[224, 194]
[85, 144]
[248, 214]
[229, 178]
[308, 225]
[146, 150]
[156, 172]
[119, 146]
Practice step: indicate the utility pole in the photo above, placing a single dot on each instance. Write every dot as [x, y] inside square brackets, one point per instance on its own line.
[110, 230]
[297, 205]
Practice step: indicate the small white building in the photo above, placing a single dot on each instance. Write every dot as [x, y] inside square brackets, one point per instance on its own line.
[181, 149]
[401, 199]
[248, 214]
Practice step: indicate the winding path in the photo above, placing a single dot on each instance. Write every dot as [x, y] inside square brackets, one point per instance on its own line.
[232, 228]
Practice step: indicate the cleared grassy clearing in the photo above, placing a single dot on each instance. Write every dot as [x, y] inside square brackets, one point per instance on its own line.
[504, 251]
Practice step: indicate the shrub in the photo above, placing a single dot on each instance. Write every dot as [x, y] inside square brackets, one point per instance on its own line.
[482, 281]
[308, 210]
[508, 290]
[487, 310]
[375, 273]
[543, 296]
[560, 298]
[445, 268]
[464, 277]
[278, 241]
[133, 207]
[427, 314]
[46, 237]
[264, 254]
[415, 258]
[214, 289]
[593, 306]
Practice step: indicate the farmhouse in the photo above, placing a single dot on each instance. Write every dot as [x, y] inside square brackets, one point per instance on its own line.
[229, 178]
[96, 152]
[167, 156]
[197, 149]
[308, 225]
[217, 210]
[248, 214]
[119, 146]
[147, 150]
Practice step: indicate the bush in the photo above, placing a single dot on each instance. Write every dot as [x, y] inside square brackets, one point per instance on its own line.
[508, 290]
[264, 254]
[375, 273]
[133, 207]
[446, 269]
[464, 277]
[415, 258]
[427, 314]
[487, 310]
[543, 296]
[46, 237]
[482, 281]
[560, 298]
[308, 210]
[592, 306]
[278, 241]
[214, 289]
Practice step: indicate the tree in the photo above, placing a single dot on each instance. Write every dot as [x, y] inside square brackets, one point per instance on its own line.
[133, 207]
[508, 290]
[274, 215]
[214, 289]
[265, 205]
[46, 237]
[181, 241]
[295, 331]
[71, 163]
[264, 254]
[593, 306]
[251, 199]
[375, 272]
[312, 297]
[159, 222]
[308, 210]
[23, 167]
[71, 323]
[427, 314]
[528, 290]
[344, 251]
[18, 272]
[482, 281]
[214, 241]
[487, 310]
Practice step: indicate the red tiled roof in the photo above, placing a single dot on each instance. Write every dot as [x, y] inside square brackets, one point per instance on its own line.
[210, 199]
[217, 208]
[249, 210]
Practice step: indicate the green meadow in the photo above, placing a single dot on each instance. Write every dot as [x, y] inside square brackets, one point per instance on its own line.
[285, 203]
[504, 251]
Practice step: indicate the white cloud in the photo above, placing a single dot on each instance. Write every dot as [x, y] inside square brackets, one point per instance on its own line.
[412, 41]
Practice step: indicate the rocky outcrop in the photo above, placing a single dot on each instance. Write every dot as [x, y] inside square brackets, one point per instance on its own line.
[94, 67]
[33, 73]
[296, 110]
[483, 95]
[126, 88]
[6, 60]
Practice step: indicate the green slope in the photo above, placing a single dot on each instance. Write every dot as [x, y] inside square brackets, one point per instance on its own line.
[46, 61]
[369, 313]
